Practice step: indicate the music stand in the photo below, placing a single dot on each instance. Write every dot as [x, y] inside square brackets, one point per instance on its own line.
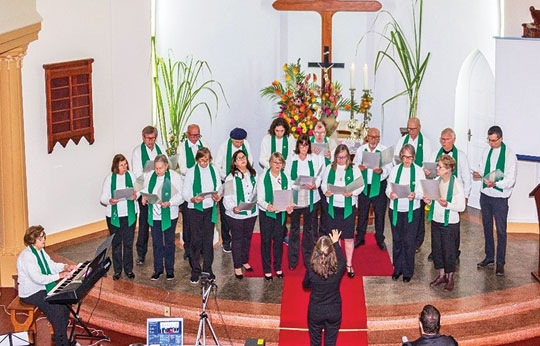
[13, 339]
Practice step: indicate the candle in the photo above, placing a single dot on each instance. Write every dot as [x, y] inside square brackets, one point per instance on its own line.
[352, 75]
[365, 77]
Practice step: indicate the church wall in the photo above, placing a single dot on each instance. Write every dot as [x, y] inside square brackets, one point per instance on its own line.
[64, 187]
[17, 14]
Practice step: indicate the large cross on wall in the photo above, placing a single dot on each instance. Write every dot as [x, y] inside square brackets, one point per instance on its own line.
[327, 8]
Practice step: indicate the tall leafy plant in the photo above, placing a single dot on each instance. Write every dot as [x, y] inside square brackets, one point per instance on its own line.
[405, 55]
[180, 89]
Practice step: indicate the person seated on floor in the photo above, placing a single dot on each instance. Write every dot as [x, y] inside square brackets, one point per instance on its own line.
[430, 323]
[37, 275]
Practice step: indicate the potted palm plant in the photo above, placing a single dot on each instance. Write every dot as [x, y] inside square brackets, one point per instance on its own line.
[404, 54]
[180, 88]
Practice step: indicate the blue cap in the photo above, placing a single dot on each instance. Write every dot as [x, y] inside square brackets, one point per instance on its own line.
[238, 133]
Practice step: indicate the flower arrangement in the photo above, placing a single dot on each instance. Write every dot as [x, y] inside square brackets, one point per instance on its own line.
[302, 102]
[365, 105]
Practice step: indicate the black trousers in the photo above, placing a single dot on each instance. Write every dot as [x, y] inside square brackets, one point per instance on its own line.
[443, 245]
[379, 204]
[164, 247]
[494, 208]
[309, 236]
[57, 314]
[272, 234]
[421, 234]
[122, 245]
[225, 227]
[202, 239]
[403, 241]
[327, 318]
[323, 222]
[143, 231]
[186, 235]
[241, 232]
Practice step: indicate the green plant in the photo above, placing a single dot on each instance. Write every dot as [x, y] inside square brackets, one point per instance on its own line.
[407, 57]
[178, 89]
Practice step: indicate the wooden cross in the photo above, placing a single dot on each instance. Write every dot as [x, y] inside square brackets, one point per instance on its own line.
[327, 8]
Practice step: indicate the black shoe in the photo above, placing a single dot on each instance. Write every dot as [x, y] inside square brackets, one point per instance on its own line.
[226, 248]
[396, 276]
[116, 276]
[279, 275]
[430, 257]
[418, 249]
[130, 275]
[268, 277]
[360, 242]
[194, 280]
[500, 270]
[140, 261]
[292, 267]
[406, 279]
[156, 276]
[350, 272]
[248, 269]
[239, 276]
[382, 246]
[186, 256]
[485, 263]
[170, 276]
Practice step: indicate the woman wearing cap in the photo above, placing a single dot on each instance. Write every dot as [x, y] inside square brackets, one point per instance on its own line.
[278, 139]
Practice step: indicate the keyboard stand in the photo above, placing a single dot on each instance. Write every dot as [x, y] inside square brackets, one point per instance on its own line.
[77, 320]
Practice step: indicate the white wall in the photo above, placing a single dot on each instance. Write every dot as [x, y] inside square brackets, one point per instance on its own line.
[516, 13]
[17, 14]
[64, 187]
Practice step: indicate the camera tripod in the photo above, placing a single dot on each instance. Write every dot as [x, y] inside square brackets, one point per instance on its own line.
[207, 286]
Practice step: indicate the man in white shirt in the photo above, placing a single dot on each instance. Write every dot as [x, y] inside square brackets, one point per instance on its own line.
[223, 159]
[494, 196]
[422, 146]
[143, 157]
[187, 150]
[374, 190]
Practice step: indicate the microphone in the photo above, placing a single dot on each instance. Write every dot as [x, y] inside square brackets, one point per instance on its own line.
[405, 341]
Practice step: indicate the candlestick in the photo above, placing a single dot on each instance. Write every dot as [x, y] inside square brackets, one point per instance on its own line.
[352, 75]
[365, 70]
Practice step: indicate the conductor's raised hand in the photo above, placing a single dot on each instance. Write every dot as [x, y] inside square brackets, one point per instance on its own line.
[335, 235]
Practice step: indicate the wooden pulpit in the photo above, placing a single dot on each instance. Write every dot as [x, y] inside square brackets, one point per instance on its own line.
[536, 194]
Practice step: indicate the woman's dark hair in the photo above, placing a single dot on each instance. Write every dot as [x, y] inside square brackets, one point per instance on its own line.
[279, 122]
[116, 163]
[303, 139]
[32, 233]
[324, 259]
[234, 169]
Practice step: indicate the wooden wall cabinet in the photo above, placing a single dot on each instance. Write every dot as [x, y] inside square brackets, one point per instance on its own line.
[68, 86]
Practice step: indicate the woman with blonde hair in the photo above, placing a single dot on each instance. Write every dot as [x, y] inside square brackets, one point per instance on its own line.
[323, 276]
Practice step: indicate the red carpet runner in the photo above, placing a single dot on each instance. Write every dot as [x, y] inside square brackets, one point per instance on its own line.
[368, 260]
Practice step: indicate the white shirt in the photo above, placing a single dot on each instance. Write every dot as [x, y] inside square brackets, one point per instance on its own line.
[136, 160]
[510, 172]
[276, 185]
[120, 184]
[176, 193]
[266, 149]
[207, 185]
[358, 161]
[220, 160]
[403, 203]
[464, 171]
[303, 169]
[29, 273]
[414, 142]
[339, 199]
[182, 153]
[230, 201]
[455, 207]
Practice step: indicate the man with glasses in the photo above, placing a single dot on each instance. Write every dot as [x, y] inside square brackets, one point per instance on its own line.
[187, 150]
[374, 191]
[142, 160]
[462, 171]
[423, 152]
[496, 189]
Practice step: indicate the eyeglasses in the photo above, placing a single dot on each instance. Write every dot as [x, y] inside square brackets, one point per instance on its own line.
[319, 133]
[194, 135]
[150, 138]
[412, 128]
[493, 140]
[445, 139]
[342, 157]
[277, 162]
[241, 158]
[407, 157]
[374, 136]
[440, 167]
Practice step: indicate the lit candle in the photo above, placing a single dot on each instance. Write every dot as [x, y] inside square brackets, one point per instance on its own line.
[352, 75]
[365, 77]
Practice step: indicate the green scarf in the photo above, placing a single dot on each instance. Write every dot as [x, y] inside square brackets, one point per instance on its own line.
[454, 155]
[294, 176]
[190, 159]
[375, 181]
[269, 193]
[240, 193]
[230, 154]
[44, 266]
[197, 189]
[115, 220]
[326, 160]
[165, 197]
[144, 154]
[500, 164]
[349, 177]
[449, 195]
[284, 146]
[419, 157]
[412, 184]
